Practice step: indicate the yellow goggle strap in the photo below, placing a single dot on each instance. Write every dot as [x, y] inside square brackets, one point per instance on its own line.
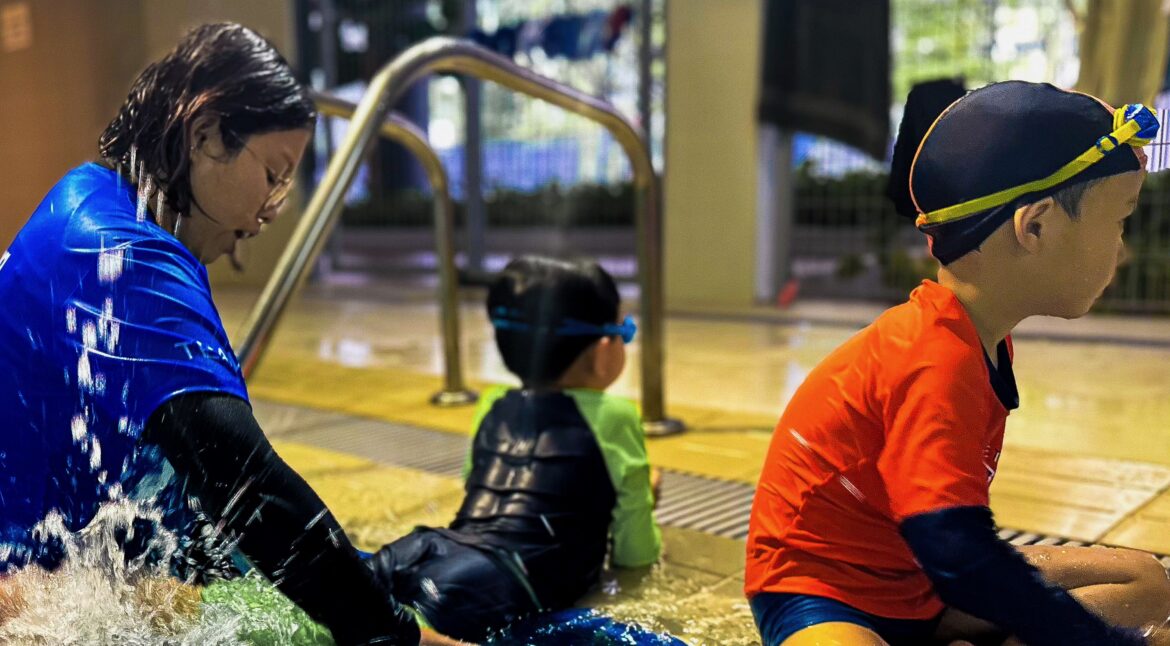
[1126, 126]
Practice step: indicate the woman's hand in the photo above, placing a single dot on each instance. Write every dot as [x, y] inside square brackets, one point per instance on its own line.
[12, 601]
[431, 638]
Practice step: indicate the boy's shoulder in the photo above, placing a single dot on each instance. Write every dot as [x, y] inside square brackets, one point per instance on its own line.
[603, 405]
[931, 322]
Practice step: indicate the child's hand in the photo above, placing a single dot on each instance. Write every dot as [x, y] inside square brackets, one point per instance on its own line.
[656, 484]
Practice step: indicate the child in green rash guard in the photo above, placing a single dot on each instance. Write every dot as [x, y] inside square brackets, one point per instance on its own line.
[557, 474]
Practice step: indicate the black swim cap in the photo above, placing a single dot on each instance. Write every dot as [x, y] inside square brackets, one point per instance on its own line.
[1010, 144]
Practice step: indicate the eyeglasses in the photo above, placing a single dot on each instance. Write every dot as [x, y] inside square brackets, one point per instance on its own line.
[280, 186]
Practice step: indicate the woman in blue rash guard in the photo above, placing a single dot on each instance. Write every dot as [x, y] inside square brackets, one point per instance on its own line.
[116, 376]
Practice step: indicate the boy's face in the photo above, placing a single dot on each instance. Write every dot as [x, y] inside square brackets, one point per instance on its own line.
[1086, 253]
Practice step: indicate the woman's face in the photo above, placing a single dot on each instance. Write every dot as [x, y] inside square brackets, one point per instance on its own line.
[234, 196]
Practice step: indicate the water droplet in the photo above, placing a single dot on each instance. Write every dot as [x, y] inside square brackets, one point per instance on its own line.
[84, 376]
[89, 335]
[110, 263]
[79, 429]
[71, 320]
[95, 454]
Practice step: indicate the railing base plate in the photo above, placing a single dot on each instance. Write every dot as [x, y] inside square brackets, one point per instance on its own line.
[663, 427]
[453, 398]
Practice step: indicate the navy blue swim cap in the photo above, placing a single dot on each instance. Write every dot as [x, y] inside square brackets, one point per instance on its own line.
[1014, 135]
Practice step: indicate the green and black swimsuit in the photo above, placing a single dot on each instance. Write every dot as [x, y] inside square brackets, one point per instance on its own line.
[553, 480]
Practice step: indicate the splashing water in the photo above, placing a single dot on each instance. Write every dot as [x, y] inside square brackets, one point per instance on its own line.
[100, 595]
[673, 601]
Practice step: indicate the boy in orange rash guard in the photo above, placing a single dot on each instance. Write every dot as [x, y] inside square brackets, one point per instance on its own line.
[871, 522]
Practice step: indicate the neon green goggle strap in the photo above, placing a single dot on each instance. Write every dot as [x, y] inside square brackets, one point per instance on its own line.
[1133, 124]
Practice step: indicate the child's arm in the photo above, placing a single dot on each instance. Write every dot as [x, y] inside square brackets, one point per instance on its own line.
[976, 572]
[637, 540]
[936, 473]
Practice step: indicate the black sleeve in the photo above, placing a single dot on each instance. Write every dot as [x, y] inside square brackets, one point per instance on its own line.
[975, 572]
[216, 447]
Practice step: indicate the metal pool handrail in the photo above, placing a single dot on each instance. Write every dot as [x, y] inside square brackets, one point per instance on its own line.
[464, 57]
[399, 129]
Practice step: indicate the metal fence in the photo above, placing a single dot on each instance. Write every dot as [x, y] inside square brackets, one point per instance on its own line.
[849, 243]
[547, 174]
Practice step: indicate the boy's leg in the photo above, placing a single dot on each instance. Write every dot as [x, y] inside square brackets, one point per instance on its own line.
[834, 634]
[1125, 587]
[459, 589]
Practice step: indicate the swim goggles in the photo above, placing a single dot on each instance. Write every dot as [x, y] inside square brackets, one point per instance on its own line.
[512, 320]
[1133, 124]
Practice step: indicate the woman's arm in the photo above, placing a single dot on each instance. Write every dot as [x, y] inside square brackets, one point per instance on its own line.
[217, 448]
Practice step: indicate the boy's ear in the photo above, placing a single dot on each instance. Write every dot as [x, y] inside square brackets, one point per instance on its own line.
[1031, 221]
[598, 355]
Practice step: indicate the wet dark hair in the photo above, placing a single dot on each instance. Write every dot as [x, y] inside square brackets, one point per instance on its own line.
[223, 70]
[543, 292]
[1069, 198]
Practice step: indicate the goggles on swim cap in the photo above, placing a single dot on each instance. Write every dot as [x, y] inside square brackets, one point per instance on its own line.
[512, 320]
[1133, 124]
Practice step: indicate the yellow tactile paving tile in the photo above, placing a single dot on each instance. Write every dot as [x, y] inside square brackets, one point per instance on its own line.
[1148, 528]
[1073, 496]
[374, 503]
[401, 396]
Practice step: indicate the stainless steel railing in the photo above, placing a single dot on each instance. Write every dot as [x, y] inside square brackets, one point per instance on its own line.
[464, 57]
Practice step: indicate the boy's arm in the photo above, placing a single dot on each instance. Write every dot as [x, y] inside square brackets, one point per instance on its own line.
[637, 541]
[934, 470]
[975, 572]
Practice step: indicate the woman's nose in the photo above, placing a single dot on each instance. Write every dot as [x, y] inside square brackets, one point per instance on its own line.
[269, 215]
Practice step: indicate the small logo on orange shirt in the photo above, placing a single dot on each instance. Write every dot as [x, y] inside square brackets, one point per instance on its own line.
[992, 466]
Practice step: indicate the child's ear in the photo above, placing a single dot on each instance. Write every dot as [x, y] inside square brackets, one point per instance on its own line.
[600, 361]
[1030, 222]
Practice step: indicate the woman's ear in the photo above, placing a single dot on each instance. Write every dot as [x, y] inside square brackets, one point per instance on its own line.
[203, 135]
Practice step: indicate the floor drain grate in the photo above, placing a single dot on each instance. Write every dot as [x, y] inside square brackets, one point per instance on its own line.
[713, 506]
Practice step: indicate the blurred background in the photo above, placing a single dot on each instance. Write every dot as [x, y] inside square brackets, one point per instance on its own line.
[761, 193]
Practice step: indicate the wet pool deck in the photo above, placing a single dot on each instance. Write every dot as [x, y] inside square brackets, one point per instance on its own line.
[1087, 456]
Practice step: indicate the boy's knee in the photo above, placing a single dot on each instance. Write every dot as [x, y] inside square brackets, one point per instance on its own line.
[1148, 574]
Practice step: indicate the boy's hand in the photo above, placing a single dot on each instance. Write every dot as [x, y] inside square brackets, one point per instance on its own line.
[656, 484]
